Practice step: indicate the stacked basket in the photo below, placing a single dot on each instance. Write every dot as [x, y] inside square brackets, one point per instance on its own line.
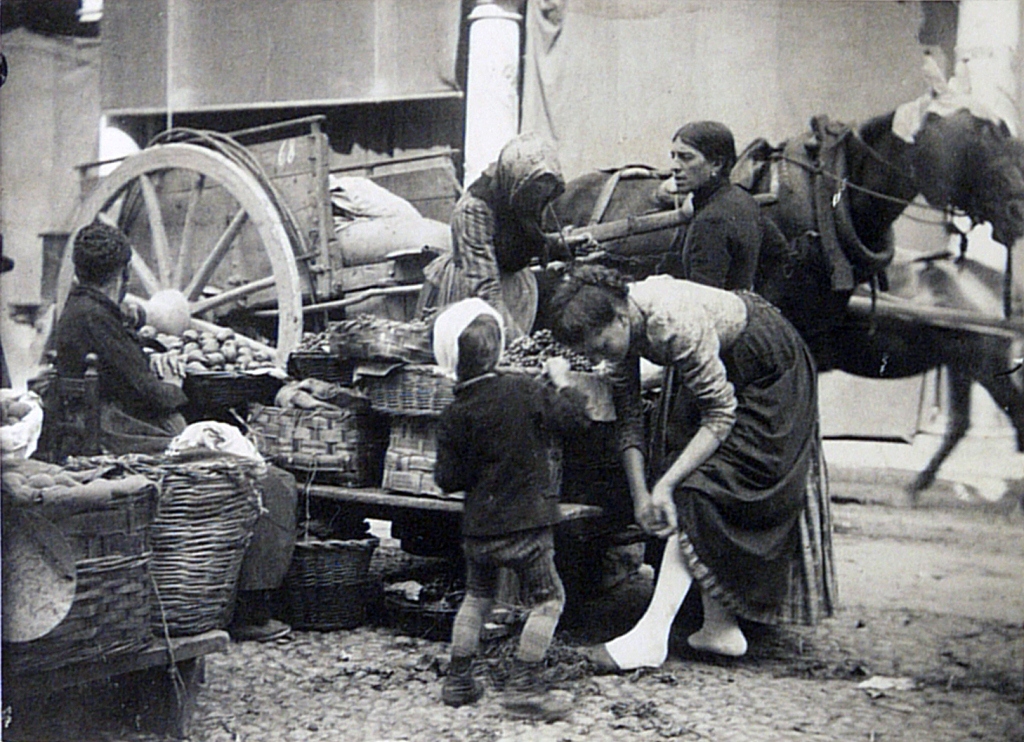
[337, 445]
[411, 456]
[110, 611]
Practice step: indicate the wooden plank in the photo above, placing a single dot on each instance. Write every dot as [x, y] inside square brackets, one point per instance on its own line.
[156, 654]
[384, 500]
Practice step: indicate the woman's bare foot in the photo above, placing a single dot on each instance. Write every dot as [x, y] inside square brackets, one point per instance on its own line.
[725, 640]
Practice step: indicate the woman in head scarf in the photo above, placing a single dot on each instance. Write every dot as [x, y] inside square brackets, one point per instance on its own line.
[496, 233]
[723, 240]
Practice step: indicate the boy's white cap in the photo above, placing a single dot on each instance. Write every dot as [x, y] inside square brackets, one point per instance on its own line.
[450, 324]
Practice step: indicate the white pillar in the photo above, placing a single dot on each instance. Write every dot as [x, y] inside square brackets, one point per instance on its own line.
[492, 87]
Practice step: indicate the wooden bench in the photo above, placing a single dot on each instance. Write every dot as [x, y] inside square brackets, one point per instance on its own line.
[161, 682]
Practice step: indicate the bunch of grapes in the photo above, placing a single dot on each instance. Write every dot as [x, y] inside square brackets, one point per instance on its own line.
[532, 350]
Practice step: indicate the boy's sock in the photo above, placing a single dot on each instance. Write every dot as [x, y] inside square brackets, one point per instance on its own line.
[538, 631]
[468, 622]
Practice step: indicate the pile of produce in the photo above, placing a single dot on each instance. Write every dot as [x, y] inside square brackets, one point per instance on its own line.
[204, 351]
[315, 342]
[38, 483]
[530, 351]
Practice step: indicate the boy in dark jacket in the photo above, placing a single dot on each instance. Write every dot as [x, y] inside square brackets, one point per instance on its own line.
[495, 443]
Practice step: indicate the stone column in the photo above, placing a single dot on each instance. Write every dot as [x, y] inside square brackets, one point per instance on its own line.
[492, 87]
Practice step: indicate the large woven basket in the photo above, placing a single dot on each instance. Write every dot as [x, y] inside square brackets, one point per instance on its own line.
[110, 611]
[205, 518]
[410, 390]
[341, 446]
[327, 585]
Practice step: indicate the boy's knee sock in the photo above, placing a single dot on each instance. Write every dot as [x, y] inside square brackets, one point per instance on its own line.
[468, 622]
[646, 644]
[538, 631]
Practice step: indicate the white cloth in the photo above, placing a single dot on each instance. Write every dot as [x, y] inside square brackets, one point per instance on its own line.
[975, 93]
[450, 324]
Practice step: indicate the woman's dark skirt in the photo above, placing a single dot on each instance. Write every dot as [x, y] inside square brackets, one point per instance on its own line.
[755, 520]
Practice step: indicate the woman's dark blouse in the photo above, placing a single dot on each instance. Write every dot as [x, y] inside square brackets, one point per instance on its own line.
[92, 323]
[494, 442]
[723, 241]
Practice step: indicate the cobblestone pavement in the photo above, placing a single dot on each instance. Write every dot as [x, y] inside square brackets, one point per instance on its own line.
[374, 684]
[964, 659]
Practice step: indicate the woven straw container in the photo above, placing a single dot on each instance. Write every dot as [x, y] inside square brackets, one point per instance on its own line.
[327, 586]
[110, 612]
[410, 390]
[341, 446]
[205, 518]
[411, 456]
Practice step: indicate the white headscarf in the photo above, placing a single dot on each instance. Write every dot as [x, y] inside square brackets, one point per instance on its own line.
[450, 324]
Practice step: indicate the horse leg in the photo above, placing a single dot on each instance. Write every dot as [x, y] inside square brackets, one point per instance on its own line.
[956, 428]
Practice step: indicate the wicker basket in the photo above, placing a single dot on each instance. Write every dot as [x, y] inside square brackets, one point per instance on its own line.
[327, 587]
[343, 446]
[307, 364]
[110, 612]
[205, 518]
[109, 616]
[411, 456]
[224, 389]
[378, 339]
[410, 390]
[432, 621]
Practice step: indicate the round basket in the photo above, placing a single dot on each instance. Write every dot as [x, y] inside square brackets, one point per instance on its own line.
[327, 587]
[204, 521]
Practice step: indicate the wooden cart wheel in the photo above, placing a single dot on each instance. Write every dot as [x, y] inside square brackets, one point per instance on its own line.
[202, 224]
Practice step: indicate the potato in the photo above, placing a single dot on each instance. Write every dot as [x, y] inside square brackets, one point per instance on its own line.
[189, 347]
[15, 480]
[230, 351]
[224, 334]
[215, 358]
[195, 356]
[38, 481]
[210, 346]
[190, 336]
[147, 332]
[195, 367]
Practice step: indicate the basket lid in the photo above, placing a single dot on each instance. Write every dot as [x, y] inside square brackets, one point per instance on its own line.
[39, 578]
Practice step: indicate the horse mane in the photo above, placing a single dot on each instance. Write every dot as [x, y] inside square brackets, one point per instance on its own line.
[875, 128]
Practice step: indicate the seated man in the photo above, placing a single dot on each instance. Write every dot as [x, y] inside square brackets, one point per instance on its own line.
[139, 411]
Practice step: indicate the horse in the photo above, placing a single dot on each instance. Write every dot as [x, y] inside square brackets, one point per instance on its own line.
[829, 198]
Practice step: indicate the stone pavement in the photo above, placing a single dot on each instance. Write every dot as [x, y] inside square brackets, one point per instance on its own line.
[965, 662]
[909, 612]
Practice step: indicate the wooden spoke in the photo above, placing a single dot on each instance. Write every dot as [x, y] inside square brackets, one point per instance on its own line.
[231, 295]
[210, 263]
[187, 232]
[161, 247]
[144, 274]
